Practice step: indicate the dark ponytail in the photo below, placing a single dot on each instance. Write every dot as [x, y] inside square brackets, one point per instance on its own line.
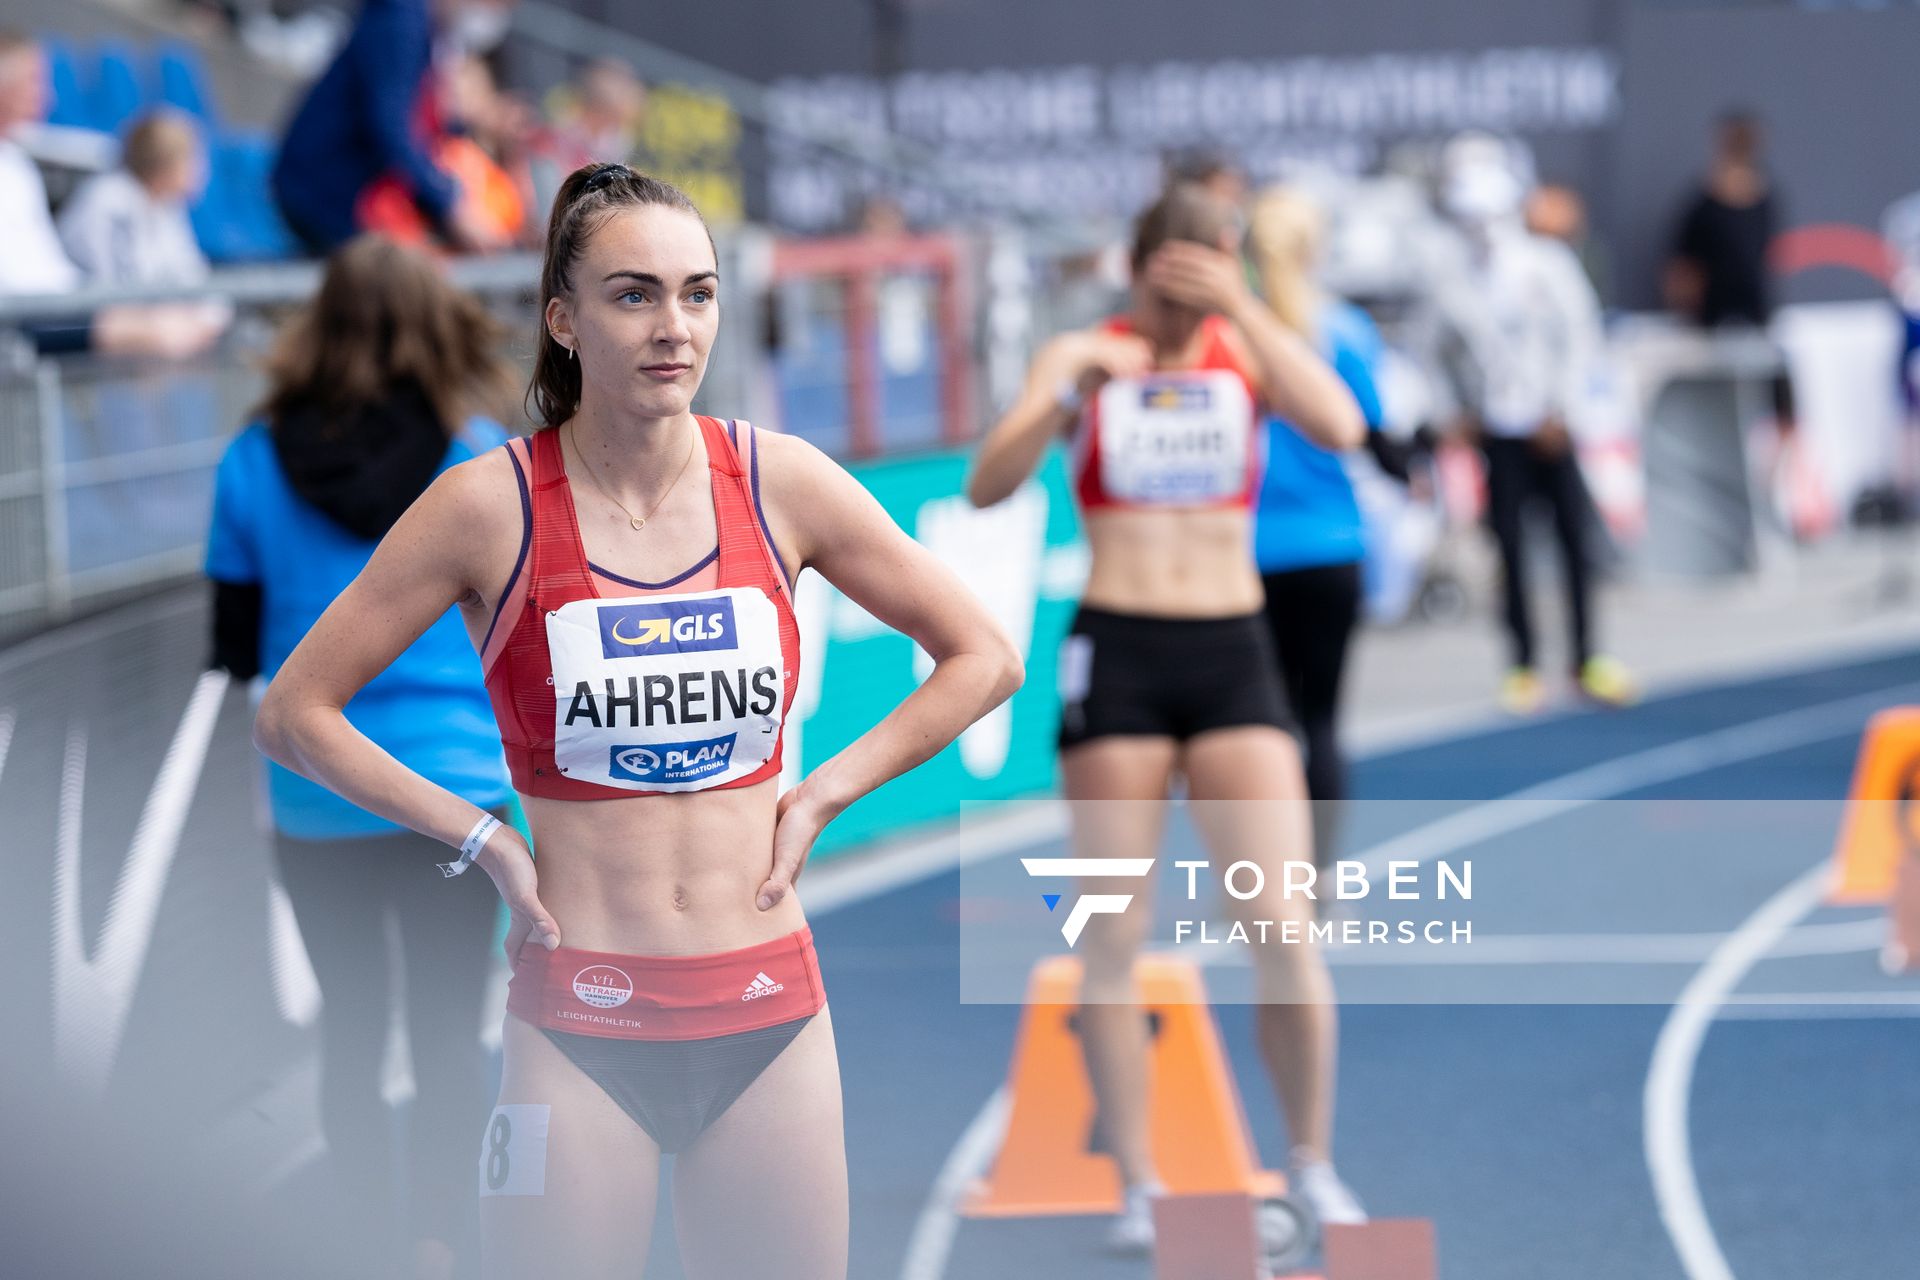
[586, 200]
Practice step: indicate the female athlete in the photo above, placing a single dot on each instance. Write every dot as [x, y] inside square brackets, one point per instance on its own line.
[626, 574]
[1167, 669]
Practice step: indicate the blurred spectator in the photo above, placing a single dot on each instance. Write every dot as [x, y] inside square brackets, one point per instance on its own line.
[1308, 536]
[1718, 271]
[596, 120]
[1718, 276]
[480, 127]
[373, 388]
[1559, 213]
[130, 226]
[373, 115]
[1515, 329]
[34, 261]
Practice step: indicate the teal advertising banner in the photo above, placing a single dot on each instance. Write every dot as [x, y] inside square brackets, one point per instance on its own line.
[1025, 559]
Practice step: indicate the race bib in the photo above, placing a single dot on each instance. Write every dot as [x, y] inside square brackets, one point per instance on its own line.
[1177, 439]
[668, 692]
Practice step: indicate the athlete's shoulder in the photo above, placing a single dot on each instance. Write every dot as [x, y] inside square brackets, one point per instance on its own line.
[808, 497]
[788, 462]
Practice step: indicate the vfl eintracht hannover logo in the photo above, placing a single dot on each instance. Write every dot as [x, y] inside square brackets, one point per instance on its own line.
[1092, 904]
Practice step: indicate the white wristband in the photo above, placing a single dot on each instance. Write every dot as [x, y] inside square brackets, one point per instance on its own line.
[470, 848]
[1068, 397]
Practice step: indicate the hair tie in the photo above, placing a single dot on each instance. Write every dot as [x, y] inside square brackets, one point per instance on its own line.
[604, 176]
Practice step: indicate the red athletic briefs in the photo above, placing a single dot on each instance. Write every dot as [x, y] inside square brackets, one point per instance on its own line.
[621, 997]
[675, 1040]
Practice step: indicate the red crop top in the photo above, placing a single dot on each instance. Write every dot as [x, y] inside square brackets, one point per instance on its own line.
[1176, 437]
[606, 687]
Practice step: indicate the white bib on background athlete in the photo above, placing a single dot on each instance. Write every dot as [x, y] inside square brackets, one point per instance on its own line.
[1175, 438]
[672, 692]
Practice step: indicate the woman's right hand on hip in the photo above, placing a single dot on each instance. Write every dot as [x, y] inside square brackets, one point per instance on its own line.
[508, 860]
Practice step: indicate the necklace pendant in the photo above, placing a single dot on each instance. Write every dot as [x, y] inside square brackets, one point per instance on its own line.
[638, 522]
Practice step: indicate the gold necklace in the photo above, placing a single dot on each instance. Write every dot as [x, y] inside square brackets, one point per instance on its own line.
[638, 522]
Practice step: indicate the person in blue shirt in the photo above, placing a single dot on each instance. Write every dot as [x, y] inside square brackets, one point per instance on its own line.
[372, 388]
[371, 115]
[1307, 526]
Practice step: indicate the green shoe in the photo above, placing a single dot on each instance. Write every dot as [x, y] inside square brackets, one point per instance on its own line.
[1608, 682]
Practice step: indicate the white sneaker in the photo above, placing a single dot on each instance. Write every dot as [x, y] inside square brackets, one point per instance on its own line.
[1331, 1200]
[1132, 1231]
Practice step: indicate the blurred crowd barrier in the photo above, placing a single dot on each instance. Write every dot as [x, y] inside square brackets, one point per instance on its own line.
[877, 347]
[891, 352]
[869, 346]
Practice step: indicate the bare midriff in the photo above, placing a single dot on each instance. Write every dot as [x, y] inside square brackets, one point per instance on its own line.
[673, 874]
[1174, 563]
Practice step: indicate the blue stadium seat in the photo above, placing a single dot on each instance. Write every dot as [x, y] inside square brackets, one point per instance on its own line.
[236, 219]
[117, 96]
[183, 84]
[70, 106]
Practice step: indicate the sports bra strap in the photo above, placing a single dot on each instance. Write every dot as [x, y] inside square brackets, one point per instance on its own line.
[557, 569]
[743, 554]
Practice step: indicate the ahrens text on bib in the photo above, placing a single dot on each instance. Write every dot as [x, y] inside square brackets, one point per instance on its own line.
[668, 692]
[1175, 438]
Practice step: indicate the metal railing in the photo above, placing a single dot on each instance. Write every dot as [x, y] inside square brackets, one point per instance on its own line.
[865, 346]
[107, 463]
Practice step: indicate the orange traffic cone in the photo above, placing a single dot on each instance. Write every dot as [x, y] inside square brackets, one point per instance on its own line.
[1049, 1162]
[1882, 823]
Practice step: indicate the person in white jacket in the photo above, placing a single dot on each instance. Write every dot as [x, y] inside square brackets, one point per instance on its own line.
[130, 226]
[1515, 328]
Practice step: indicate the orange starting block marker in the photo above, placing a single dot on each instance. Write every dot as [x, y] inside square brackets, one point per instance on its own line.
[1877, 857]
[1201, 1139]
[1882, 823]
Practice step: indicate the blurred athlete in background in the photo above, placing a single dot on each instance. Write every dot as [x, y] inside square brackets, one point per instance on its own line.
[1308, 534]
[1168, 670]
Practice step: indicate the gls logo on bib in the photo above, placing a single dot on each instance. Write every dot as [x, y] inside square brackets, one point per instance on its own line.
[1174, 395]
[671, 761]
[666, 626]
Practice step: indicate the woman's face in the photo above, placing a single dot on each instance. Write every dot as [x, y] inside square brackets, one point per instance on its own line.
[644, 311]
[1164, 323]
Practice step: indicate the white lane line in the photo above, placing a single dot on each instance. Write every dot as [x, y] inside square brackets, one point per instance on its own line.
[932, 1240]
[1668, 1144]
[1750, 740]
[93, 995]
[296, 990]
[6, 736]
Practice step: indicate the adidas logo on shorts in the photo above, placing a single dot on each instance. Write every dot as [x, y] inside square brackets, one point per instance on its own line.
[762, 985]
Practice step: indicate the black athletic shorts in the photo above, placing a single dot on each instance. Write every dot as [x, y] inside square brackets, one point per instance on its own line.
[1125, 674]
